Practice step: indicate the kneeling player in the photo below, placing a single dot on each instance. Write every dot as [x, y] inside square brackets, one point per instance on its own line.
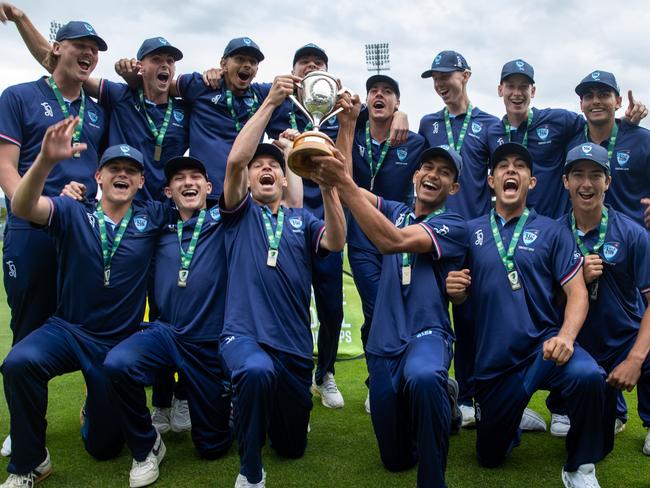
[522, 344]
[190, 274]
[104, 250]
[266, 339]
[409, 347]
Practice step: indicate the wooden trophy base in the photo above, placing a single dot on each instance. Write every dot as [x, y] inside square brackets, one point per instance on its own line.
[307, 145]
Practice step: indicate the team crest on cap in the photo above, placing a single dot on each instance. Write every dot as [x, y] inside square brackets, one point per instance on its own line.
[476, 127]
[296, 222]
[622, 157]
[163, 41]
[402, 153]
[445, 147]
[179, 115]
[247, 41]
[586, 149]
[595, 75]
[542, 132]
[459, 62]
[215, 214]
[140, 222]
[520, 65]
[438, 59]
[530, 236]
[92, 116]
[89, 28]
[610, 250]
[125, 149]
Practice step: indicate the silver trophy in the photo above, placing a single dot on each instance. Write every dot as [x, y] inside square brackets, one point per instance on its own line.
[317, 96]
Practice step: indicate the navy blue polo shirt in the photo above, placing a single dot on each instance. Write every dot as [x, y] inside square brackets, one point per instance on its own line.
[630, 166]
[511, 324]
[128, 124]
[403, 312]
[270, 305]
[195, 311]
[114, 312]
[473, 199]
[394, 181]
[549, 135]
[212, 128]
[26, 111]
[280, 121]
[614, 317]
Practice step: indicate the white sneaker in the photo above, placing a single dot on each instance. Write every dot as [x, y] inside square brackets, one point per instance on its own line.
[469, 415]
[242, 482]
[584, 477]
[619, 426]
[161, 419]
[145, 472]
[646, 444]
[560, 425]
[366, 404]
[180, 418]
[531, 421]
[6, 447]
[39, 473]
[330, 396]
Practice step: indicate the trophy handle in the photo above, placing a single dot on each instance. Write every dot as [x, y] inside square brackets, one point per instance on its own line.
[302, 109]
[340, 109]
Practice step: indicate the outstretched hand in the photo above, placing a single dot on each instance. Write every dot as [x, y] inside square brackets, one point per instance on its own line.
[57, 143]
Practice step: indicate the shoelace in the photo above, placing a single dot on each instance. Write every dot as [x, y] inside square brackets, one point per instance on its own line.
[24, 479]
[330, 387]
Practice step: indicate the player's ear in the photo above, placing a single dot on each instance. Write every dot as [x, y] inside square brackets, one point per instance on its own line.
[168, 192]
[490, 180]
[533, 183]
[455, 188]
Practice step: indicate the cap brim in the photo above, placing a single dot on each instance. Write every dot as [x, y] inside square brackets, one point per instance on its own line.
[438, 151]
[508, 148]
[139, 164]
[569, 164]
[175, 52]
[503, 77]
[101, 44]
[251, 51]
[429, 73]
[374, 79]
[266, 149]
[179, 163]
[306, 51]
[584, 87]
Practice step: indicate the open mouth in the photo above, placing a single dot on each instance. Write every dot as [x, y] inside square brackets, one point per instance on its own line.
[510, 186]
[584, 195]
[443, 92]
[517, 103]
[267, 179]
[429, 185]
[379, 104]
[189, 193]
[244, 76]
[121, 185]
[163, 77]
[84, 64]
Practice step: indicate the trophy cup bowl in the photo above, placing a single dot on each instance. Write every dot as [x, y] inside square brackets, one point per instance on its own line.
[317, 97]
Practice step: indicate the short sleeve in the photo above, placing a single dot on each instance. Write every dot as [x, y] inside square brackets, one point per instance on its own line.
[231, 217]
[61, 215]
[111, 93]
[566, 259]
[162, 214]
[448, 235]
[391, 209]
[316, 231]
[641, 260]
[573, 124]
[190, 86]
[11, 126]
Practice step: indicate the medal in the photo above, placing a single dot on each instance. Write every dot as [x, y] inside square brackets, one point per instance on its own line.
[593, 290]
[272, 258]
[157, 152]
[158, 135]
[406, 275]
[75, 154]
[186, 256]
[66, 113]
[513, 277]
[107, 255]
[107, 276]
[585, 251]
[407, 257]
[384, 150]
[507, 258]
[233, 113]
[463, 131]
[182, 277]
[273, 238]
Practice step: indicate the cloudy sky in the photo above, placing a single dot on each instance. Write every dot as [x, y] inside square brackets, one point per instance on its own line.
[564, 40]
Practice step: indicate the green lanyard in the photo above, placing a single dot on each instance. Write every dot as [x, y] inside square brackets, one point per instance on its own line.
[602, 230]
[186, 256]
[294, 124]
[612, 140]
[159, 135]
[461, 137]
[382, 155]
[233, 114]
[106, 255]
[66, 113]
[274, 238]
[506, 125]
[507, 259]
[407, 257]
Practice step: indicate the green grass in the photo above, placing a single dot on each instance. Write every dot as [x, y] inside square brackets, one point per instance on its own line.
[342, 450]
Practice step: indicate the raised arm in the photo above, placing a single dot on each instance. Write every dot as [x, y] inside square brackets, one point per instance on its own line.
[35, 42]
[27, 202]
[236, 182]
[293, 193]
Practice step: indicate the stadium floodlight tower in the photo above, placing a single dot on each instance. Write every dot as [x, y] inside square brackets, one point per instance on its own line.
[54, 28]
[378, 57]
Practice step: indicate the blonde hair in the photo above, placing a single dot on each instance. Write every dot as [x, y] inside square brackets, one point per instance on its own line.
[50, 61]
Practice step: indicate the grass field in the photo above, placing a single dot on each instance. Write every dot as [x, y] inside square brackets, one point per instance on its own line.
[341, 452]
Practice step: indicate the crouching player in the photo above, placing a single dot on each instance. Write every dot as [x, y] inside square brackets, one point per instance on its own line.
[266, 340]
[190, 274]
[104, 250]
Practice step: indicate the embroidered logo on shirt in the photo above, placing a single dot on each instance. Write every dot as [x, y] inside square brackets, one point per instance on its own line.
[140, 222]
[622, 157]
[436, 127]
[47, 109]
[542, 132]
[443, 231]
[478, 237]
[610, 250]
[215, 99]
[92, 116]
[476, 127]
[530, 236]
[12, 269]
[296, 222]
[402, 153]
[91, 219]
[215, 214]
[178, 115]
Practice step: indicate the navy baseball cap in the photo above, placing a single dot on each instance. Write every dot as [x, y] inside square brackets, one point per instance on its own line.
[507, 149]
[174, 165]
[446, 152]
[122, 151]
[266, 149]
[446, 62]
[245, 45]
[518, 67]
[374, 79]
[308, 49]
[76, 29]
[596, 79]
[158, 44]
[587, 152]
